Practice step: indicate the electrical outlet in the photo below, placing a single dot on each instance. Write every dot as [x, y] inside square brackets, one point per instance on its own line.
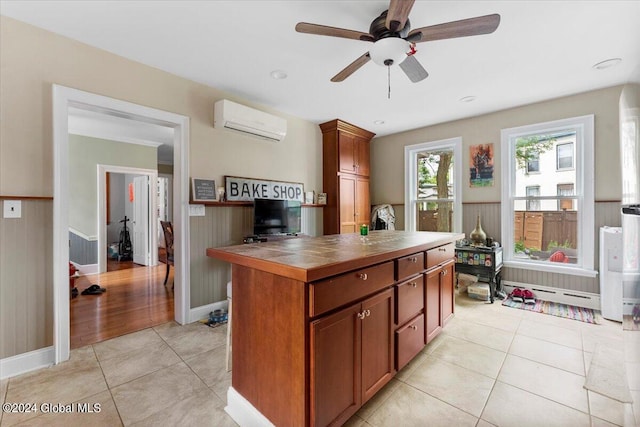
[12, 209]
[196, 210]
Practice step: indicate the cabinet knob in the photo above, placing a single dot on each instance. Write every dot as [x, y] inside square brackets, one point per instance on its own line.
[367, 312]
[414, 284]
[414, 327]
[361, 315]
[363, 276]
[442, 249]
[413, 259]
[444, 272]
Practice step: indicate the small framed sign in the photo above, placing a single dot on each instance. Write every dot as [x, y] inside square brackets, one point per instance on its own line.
[203, 190]
[309, 197]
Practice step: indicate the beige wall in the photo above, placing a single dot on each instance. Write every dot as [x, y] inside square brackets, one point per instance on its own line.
[387, 153]
[34, 59]
[31, 61]
[85, 154]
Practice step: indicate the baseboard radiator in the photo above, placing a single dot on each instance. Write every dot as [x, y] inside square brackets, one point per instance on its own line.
[559, 295]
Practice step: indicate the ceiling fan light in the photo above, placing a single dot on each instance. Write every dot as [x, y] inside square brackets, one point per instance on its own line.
[391, 48]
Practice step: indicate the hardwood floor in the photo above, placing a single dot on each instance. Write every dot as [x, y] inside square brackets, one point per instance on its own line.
[135, 299]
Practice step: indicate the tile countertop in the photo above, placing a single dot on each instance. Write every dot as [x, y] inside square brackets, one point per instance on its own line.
[312, 258]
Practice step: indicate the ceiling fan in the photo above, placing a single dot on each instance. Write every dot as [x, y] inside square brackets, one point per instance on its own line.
[394, 41]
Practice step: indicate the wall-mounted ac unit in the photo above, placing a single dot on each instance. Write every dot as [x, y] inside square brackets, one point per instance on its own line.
[233, 116]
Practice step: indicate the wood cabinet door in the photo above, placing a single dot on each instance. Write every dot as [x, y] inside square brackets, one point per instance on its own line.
[446, 292]
[362, 156]
[335, 376]
[362, 202]
[433, 318]
[346, 153]
[347, 204]
[377, 343]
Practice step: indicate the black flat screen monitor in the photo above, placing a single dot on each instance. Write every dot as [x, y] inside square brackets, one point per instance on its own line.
[276, 217]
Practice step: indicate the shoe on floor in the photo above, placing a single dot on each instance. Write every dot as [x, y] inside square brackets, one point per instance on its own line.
[94, 290]
[529, 297]
[517, 295]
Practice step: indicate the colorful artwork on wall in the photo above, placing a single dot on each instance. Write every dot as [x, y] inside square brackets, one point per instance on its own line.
[481, 165]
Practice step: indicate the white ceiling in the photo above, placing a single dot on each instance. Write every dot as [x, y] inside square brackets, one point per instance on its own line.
[541, 50]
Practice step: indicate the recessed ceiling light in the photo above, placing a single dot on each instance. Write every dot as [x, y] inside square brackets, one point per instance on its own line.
[470, 98]
[607, 64]
[279, 74]
[378, 122]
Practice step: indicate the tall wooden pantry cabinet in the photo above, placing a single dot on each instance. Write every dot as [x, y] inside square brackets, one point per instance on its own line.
[345, 164]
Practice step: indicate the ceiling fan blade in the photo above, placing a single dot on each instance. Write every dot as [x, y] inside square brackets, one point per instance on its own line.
[413, 69]
[324, 30]
[463, 28]
[398, 14]
[351, 68]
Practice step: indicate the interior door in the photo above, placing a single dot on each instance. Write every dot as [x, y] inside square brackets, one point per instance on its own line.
[141, 220]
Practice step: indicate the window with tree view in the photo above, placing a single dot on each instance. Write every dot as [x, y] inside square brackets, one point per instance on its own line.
[548, 212]
[432, 202]
[435, 190]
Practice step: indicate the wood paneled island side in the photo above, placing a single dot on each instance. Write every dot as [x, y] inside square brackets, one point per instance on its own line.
[316, 331]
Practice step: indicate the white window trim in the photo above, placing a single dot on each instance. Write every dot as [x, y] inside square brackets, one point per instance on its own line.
[584, 157]
[411, 180]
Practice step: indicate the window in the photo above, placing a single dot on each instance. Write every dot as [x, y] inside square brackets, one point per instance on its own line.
[533, 191]
[565, 203]
[564, 156]
[533, 163]
[562, 197]
[432, 186]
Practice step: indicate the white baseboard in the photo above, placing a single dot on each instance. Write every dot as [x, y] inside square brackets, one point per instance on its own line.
[202, 312]
[243, 412]
[26, 362]
[559, 295]
[87, 268]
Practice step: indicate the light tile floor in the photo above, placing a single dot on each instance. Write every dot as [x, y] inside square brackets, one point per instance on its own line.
[492, 365]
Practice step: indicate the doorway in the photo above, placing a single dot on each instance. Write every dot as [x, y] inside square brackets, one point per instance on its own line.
[127, 192]
[63, 99]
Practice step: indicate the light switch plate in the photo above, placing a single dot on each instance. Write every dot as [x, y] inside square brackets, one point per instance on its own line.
[12, 209]
[196, 210]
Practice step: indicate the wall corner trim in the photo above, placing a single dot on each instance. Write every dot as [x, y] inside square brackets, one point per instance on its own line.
[26, 362]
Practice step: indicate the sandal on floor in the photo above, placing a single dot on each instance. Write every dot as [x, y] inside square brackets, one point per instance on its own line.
[529, 297]
[517, 295]
[94, 290]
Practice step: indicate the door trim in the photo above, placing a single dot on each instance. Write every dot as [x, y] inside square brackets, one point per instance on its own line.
[64, 97]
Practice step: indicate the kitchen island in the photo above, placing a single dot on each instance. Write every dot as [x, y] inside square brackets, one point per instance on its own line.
[321, 324]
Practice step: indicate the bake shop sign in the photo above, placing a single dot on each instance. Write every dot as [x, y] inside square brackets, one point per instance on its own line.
[247, 189]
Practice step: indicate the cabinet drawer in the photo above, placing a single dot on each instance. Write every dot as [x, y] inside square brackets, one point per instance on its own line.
[331, 293]
[409, 299]
[409, 266]
[409, 341]
[439, 255]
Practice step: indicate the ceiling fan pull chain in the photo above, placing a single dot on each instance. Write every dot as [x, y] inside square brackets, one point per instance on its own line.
[389, 82]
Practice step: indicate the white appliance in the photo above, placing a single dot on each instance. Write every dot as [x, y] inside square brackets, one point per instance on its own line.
[249, 121]
[611, 273]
